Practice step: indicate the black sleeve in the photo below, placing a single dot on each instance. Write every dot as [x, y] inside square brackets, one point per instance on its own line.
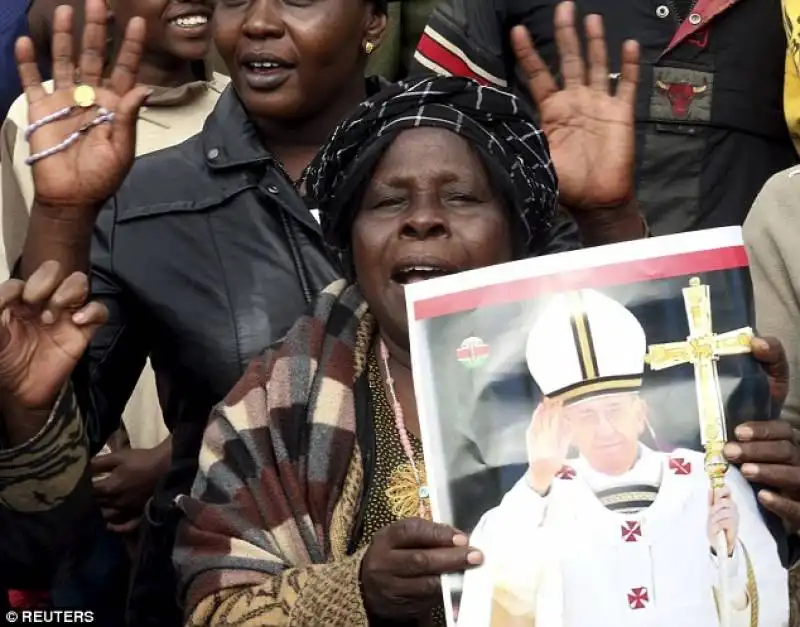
[563, 236]
[471, 38]
[113, 363]
[465, 38]
[45, 498]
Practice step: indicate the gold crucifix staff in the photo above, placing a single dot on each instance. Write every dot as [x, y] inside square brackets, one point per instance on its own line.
[703, 348]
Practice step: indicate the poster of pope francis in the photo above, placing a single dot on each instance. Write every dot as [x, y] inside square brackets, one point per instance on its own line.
[601, 497]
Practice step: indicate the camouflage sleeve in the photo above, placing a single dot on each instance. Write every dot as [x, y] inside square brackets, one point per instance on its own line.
[45, 495]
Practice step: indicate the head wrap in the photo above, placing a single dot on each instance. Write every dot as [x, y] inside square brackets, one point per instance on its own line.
[494, 122]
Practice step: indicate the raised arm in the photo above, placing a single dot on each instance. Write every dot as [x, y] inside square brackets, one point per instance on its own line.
[44, 489]
[79, 139]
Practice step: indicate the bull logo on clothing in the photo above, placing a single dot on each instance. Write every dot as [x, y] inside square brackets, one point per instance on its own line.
[681, 95]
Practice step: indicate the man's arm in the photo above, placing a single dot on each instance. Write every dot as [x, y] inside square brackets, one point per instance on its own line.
[45, 495]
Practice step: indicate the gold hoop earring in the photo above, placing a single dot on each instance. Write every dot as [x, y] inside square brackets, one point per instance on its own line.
[369, 48]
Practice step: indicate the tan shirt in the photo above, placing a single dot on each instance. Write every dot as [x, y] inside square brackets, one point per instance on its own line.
[172, 115]
[771, 236]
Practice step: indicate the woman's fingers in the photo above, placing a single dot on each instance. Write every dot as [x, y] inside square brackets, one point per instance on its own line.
[93, 52]
[93, 315]
[415, 533]
[63, 65]
[71, 294]
[434, 562]
[629, 73]
[126, 68]
[42, 284]
[540, 82]
[29, 76]
[598, 55]
[569, 46]
[10, 293]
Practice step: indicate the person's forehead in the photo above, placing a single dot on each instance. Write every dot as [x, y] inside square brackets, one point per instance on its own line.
[598, 403]
[426, 148]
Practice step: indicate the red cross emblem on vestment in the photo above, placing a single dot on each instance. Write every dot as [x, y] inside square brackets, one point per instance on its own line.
[631, 531]
[567, 473]
[680, 466]
[638, 598]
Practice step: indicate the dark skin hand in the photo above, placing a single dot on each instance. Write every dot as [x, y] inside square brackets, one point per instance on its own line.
[72, 185]
[46, 326]
[768, 451]
[591, 131]
[131, 478]
[400, 573]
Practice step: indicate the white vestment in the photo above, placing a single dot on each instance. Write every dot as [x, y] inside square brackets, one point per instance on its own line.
[566, 560]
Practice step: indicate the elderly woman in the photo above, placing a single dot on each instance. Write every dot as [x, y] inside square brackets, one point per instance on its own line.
[289, 522]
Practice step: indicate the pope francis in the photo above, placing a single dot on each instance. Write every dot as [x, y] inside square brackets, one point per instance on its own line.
[621, 535]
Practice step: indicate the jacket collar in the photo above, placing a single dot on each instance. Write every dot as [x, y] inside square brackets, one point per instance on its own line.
[229, 136]
[230, 120]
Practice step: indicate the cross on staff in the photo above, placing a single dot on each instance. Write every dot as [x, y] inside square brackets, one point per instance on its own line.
[703, 348]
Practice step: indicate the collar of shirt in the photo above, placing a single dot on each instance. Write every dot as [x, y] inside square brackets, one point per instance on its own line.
[646, 471]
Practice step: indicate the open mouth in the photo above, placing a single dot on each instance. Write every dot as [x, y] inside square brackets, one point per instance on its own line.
[190, 22]
[414, 273]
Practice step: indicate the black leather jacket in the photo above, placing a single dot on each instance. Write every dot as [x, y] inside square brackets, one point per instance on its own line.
[204, 257]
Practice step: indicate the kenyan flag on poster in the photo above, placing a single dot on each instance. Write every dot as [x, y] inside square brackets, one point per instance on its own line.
[473, 352]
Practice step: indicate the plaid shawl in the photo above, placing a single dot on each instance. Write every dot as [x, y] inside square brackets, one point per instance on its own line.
[279, 482]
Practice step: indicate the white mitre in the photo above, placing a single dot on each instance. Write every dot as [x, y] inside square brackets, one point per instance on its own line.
[585, 344]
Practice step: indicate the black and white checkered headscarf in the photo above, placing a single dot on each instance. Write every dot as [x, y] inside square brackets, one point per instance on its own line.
[512, 147]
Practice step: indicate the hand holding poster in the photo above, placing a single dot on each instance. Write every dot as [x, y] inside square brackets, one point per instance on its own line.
[573, 411]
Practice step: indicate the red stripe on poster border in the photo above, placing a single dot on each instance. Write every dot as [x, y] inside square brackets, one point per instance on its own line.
[652, 269]
[442, 57]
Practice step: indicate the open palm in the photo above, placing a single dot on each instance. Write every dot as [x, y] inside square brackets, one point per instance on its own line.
[45, 327]
[93, 167]
[590, 130]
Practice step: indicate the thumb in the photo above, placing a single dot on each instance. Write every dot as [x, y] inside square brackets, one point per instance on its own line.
[127, 114]
[104, 463]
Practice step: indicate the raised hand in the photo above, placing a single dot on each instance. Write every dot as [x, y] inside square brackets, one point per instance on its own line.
[548, 441]
[590, 131]
[46, 327]
[400, 573]
[94, 165]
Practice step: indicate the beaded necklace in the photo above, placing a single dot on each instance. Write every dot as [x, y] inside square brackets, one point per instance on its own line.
[423, 493]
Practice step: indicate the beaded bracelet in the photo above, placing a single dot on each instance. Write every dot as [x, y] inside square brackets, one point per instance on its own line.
[105, 116]
[49, 119]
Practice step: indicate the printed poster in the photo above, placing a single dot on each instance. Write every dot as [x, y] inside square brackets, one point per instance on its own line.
[573, 409]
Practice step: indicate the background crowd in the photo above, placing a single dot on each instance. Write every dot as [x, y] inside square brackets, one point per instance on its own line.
[222, 207]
